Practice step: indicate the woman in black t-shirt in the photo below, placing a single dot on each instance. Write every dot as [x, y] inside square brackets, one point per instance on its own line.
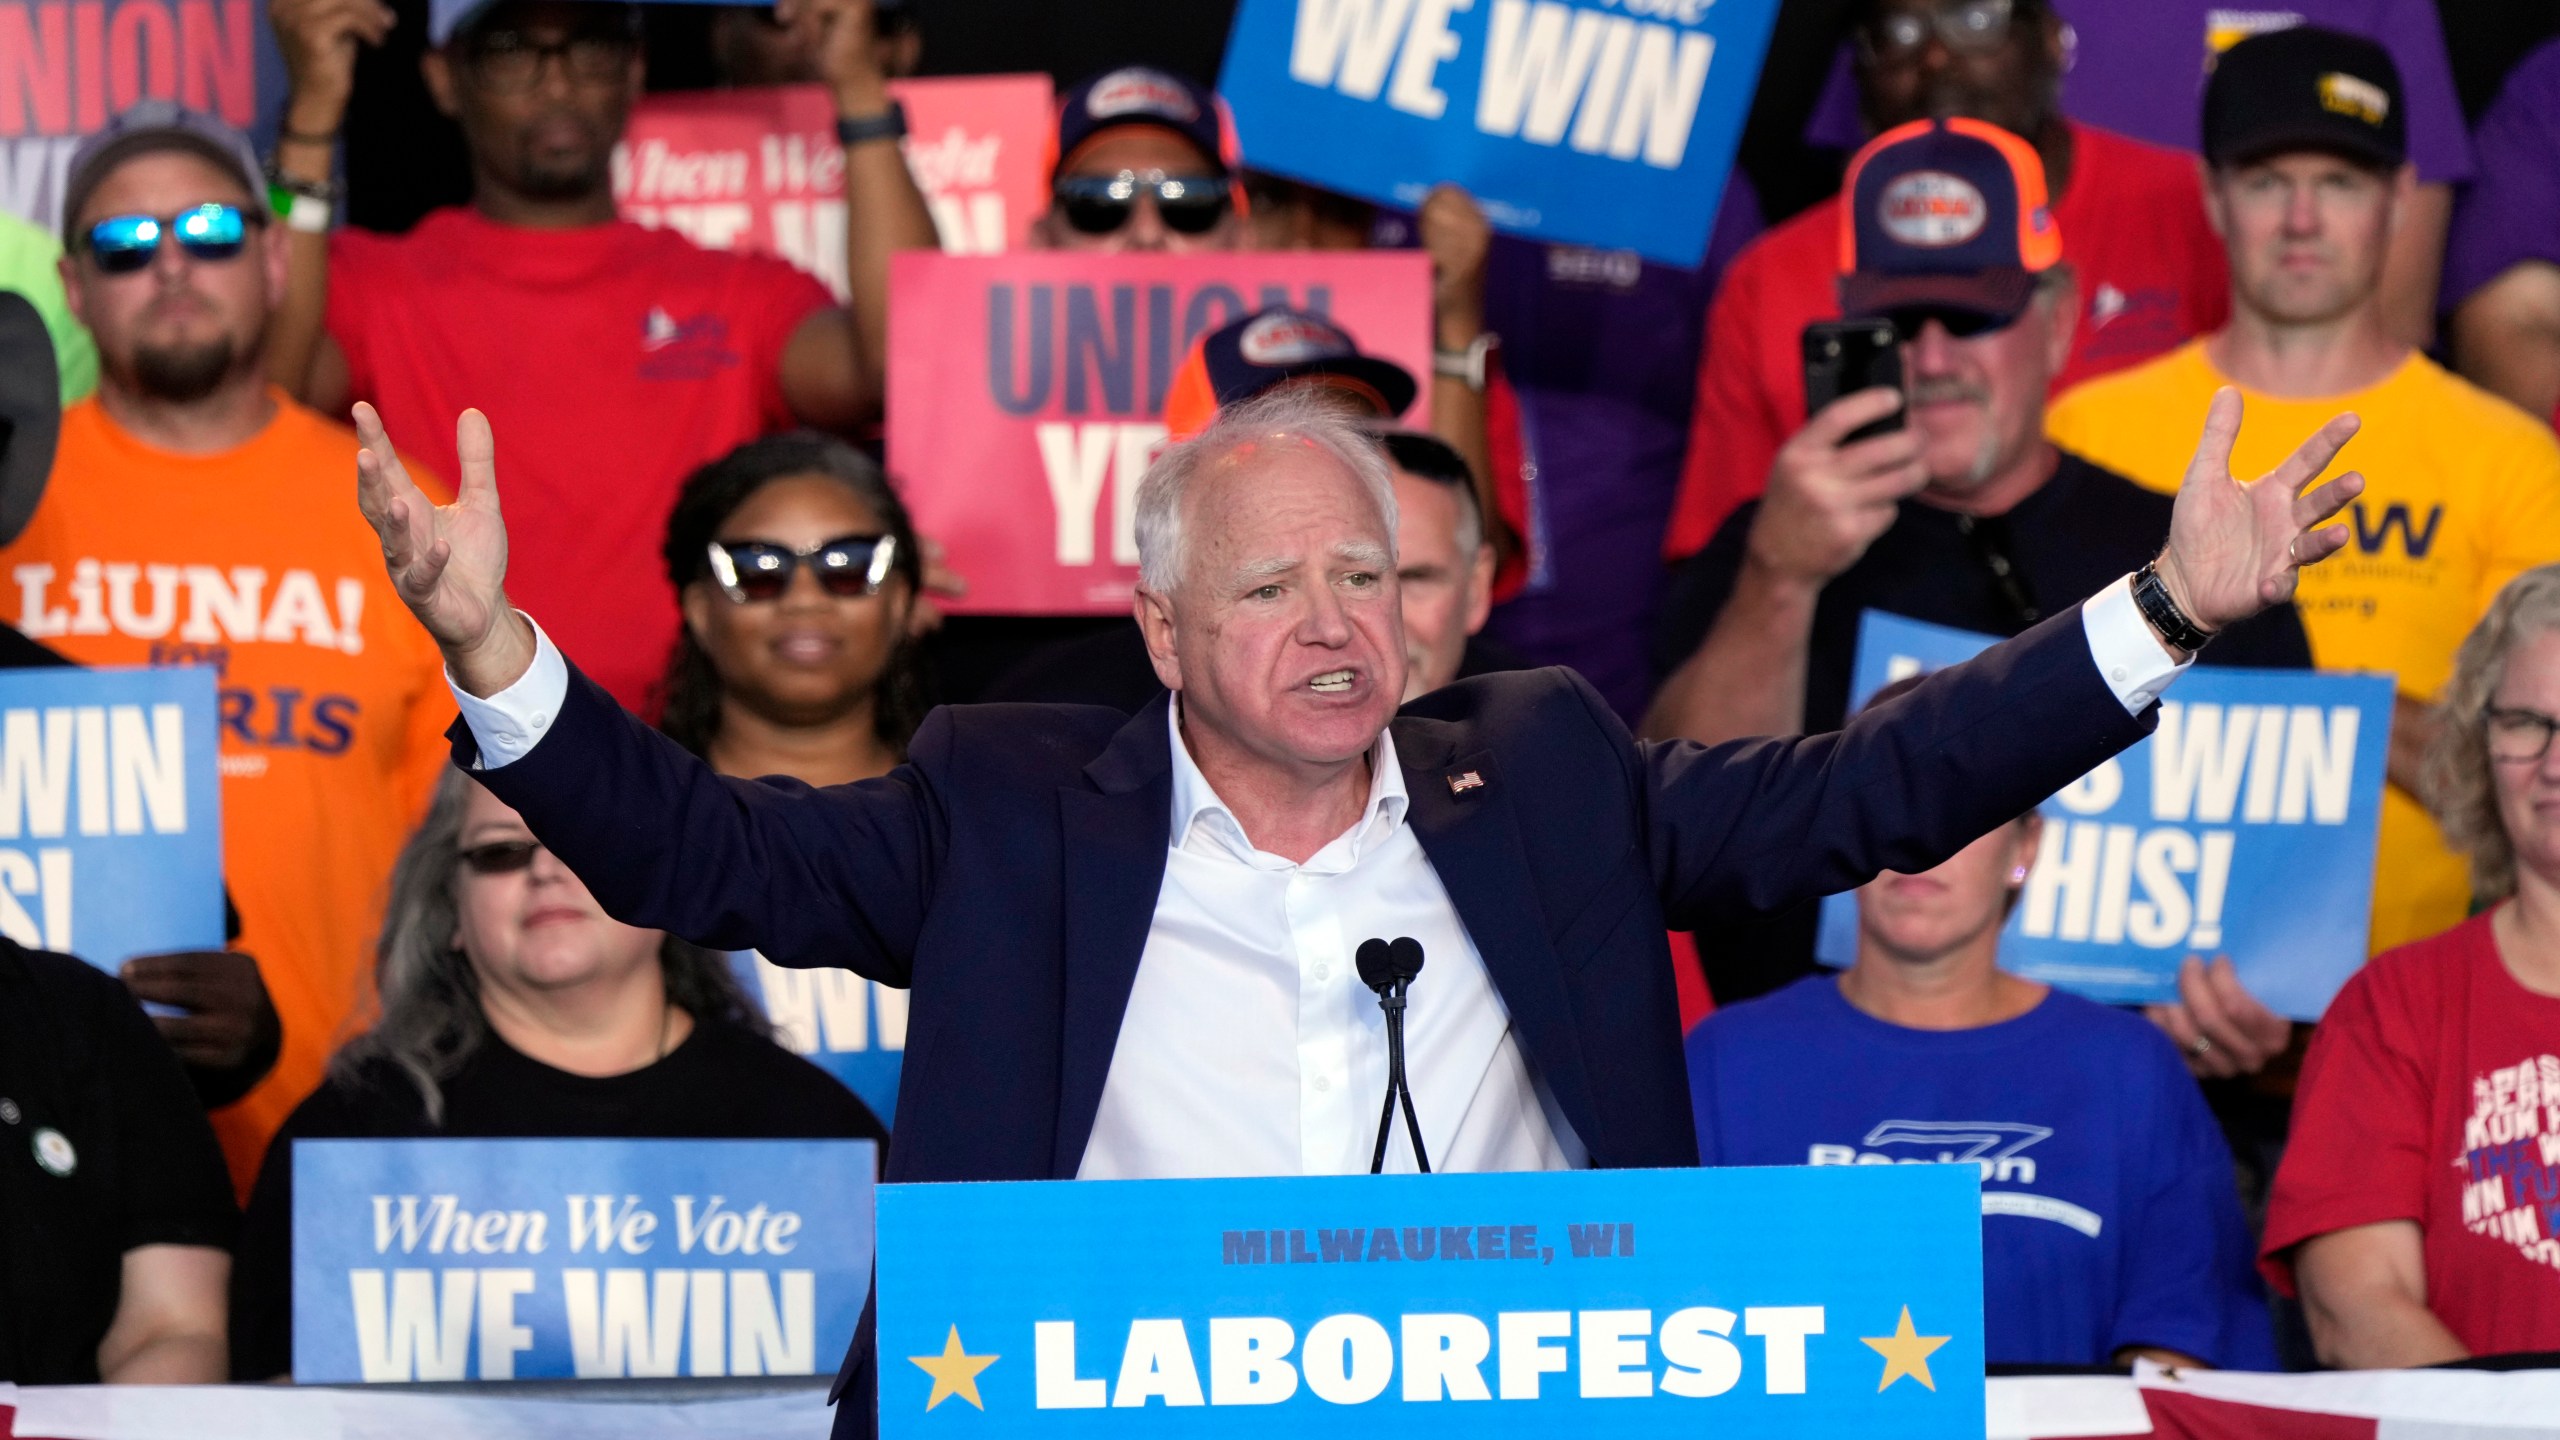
[512, 1005]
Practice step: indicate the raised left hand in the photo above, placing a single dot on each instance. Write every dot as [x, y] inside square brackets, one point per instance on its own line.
[1458, 238]
[2235, 546]
[847, 50]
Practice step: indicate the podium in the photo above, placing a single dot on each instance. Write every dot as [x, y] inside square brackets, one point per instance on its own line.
[1798, 1301]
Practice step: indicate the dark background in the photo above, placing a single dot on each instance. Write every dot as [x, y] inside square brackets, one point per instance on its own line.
[403, 158]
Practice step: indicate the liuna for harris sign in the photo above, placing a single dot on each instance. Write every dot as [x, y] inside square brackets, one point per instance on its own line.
[577, 1259]
[1635, 1302]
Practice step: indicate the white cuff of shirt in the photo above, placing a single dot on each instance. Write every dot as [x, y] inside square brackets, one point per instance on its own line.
[510, 723]
[2128, 651]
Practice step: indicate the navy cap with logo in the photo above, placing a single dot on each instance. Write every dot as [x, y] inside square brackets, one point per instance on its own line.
[2305, 88]
[149, 126]
[1139, 95]
[1945, 214]
[1247, 356]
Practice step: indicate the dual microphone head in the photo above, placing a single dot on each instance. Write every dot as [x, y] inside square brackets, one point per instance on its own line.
[1387, 966]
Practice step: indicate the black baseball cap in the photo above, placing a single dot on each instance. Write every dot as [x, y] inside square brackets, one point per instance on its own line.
[1142, 95]
[2305, 88]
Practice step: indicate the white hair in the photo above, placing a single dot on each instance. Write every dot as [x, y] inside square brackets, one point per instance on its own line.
[1296, 412]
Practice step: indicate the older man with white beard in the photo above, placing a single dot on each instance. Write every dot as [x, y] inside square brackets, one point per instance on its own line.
[1966, 516]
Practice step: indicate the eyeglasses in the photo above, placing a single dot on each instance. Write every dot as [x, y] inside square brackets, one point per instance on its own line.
[1100, 204]
[2518, 735]
[500, 857]
[847, 567]
[123, 244]
[1975, 28]
[507, 61]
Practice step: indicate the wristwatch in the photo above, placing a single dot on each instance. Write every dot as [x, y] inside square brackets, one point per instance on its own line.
[889, 124]
[1467, 364]
[303, 205]
[2151, 594]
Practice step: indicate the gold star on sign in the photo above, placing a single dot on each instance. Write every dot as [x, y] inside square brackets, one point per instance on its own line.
[1904, 1353]
[954, 1372]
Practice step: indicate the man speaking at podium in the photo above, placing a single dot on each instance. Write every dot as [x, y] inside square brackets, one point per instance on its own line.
[1132, 941]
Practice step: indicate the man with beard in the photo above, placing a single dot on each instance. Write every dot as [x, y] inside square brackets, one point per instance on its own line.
[2309, 179]
[1967, 516]
[195, 516]
[616, 357]
[2149, 272]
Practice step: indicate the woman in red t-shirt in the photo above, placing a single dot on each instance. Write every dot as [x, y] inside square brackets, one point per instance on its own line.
[2418, 1206]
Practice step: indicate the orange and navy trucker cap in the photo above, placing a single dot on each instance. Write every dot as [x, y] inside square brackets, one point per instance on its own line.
[1257, 352]
[1946, 214]
[1142, 95]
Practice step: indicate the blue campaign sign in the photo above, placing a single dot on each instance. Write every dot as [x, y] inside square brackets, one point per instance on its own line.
[2244, 827]
[852, 1028]
[1810, 1302]
[576, 1259]
[1593, 122]
[110, 812]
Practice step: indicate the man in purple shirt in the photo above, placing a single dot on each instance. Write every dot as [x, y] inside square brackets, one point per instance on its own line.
[2502, 264]
[1601, 347]
[2124, 60]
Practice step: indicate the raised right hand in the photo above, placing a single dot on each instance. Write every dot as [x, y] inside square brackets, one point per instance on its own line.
[449, 562]
[318, 39]
[1827, 502]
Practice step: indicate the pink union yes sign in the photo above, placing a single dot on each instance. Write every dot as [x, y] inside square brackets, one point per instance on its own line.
[1026, 390]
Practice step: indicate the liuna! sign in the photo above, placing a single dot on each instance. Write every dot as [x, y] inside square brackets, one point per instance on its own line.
[1808, 1302]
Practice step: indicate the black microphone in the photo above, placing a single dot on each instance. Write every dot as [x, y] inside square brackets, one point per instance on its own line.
[1388, 968]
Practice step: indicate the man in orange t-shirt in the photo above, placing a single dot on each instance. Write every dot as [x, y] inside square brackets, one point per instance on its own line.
[196, 516]
[2151, 272]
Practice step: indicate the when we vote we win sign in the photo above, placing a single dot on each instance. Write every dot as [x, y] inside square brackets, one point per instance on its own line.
[2245, 826]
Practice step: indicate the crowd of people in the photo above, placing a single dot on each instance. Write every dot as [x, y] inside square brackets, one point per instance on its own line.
[699, 519]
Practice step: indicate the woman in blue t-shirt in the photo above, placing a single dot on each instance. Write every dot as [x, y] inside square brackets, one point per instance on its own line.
[2111, 1223]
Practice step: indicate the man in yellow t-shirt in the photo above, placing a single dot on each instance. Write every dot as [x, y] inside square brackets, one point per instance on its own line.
[2306, 178]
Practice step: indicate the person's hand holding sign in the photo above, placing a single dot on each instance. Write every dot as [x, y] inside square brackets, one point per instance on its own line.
[2235, 546]
[449, 562]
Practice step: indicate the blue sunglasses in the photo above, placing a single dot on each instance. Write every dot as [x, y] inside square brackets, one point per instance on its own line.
[122, 244]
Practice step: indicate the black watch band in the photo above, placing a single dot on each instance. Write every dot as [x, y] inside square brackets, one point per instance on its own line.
[889, 124]
[2151, 593]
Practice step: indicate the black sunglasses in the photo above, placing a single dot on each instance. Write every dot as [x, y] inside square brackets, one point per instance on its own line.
[500, 857]
[1960, 324]
[1100, 204]
[847, 567]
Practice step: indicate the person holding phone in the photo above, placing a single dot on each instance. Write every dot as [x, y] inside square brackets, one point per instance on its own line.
[1960, 513]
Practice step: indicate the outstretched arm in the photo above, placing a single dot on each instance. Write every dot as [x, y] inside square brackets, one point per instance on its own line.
[1762, 824]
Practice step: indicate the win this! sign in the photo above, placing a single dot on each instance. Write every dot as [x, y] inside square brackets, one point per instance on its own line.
[2258, 784]
[1661, 1302]
[110, 812]
[576, 1259]
[1026, 395]
[1593, 122]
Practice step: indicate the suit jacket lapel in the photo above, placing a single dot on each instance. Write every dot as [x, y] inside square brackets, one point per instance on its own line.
[1462, 813]
[1115, 836]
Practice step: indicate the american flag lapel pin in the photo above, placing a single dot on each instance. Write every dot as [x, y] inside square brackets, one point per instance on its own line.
[1464, 781]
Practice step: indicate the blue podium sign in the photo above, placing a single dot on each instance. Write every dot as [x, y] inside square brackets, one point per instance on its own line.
[110, 812]
[1594, 122]
[577, 1259]
[2258, 784]
[1810, 1302]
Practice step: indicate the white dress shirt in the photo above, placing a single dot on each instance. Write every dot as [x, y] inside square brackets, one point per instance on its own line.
[1249, 1045]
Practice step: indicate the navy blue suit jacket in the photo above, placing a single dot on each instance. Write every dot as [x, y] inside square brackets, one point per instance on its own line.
[1008, 872]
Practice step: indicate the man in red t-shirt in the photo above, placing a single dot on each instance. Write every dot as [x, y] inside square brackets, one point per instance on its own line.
[2132, 216]
[610, 359]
